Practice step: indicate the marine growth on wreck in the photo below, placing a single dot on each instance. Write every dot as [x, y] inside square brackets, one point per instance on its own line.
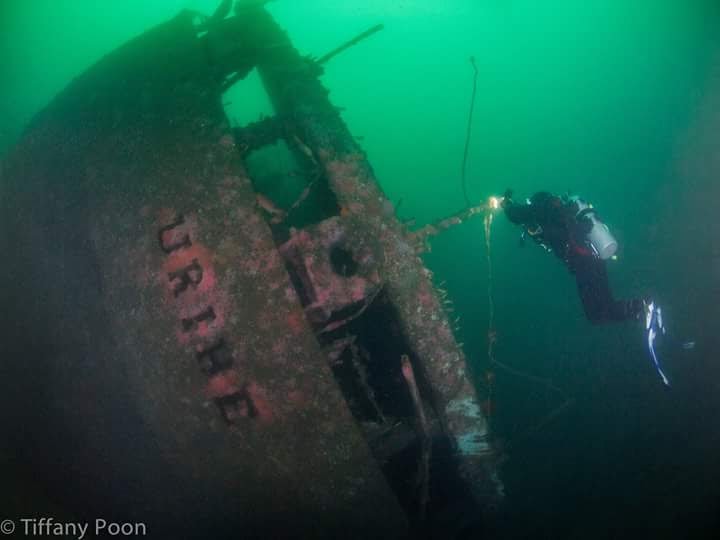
[226, 347]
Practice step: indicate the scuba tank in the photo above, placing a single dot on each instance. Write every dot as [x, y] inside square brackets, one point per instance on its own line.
[599, 237]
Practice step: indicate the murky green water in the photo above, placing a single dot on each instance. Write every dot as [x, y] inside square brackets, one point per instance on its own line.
[617, 101]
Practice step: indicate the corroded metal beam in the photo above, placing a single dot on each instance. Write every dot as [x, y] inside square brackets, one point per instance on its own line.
[297, 94]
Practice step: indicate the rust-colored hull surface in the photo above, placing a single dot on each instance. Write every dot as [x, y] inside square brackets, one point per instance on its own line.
[168, 354]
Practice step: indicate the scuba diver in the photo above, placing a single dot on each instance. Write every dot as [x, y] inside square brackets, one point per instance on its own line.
[571, 229]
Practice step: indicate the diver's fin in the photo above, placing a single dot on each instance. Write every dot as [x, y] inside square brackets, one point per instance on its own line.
[654, 326]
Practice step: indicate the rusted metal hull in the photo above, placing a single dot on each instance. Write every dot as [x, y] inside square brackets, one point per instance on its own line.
[171, 355]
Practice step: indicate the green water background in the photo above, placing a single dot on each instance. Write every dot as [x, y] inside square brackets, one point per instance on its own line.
[613, 100]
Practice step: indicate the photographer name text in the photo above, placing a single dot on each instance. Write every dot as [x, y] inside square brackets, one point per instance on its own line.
[47, 526]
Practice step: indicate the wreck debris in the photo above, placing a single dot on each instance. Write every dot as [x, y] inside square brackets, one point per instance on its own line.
[303, 195]
[335, 350]
[409, 376]
[423, 475]
[334, 325]
[220, 13]
[421, 236]
[255, 135]
[357, 39]
[277, 214]
[304, 148]
[360, 361]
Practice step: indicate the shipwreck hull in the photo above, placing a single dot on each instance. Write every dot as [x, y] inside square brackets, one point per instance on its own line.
[175, 353]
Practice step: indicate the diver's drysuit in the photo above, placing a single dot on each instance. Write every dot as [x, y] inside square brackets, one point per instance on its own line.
[566, 227]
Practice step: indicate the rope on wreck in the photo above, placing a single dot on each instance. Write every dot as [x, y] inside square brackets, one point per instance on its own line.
[492, 339]
[492, 332]
[468, 131]
[420, 239]
[492, 335]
